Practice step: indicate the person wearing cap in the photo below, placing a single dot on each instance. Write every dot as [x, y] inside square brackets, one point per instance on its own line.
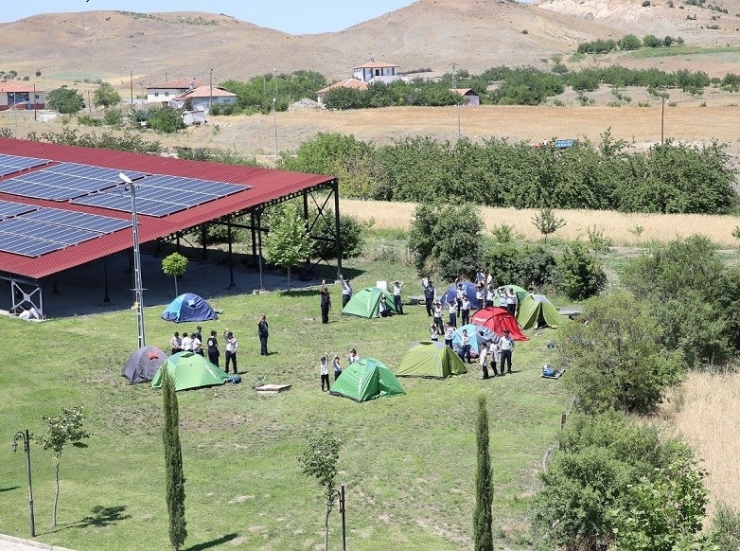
[346, 290]
[336, 364]
[324, 372]
[263, 332]
[383, 307]
[397, 301]
[507, 347]
[429, 297]
[449, 335]
[437, 315]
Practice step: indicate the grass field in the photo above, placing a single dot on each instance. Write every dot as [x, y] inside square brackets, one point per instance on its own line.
[408, 462]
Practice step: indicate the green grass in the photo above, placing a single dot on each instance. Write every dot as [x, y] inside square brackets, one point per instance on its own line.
[643, 53]
[408, 462]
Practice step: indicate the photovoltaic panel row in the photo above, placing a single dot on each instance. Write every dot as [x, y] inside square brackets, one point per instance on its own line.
[8, 209]
[78, 220]
[109, 175]
[191, 185]
[29, 188]
[116, 201]
[14, 163]
[28, 246]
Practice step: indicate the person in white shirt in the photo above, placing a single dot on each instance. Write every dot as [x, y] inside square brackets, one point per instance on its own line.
[346, 290]
[490, 296]
[397, 300]
[352, 357]
[187, 343]
[383, 308]
[511, 302]
[324, 368]
[449, 335]
[465, 346]
[465, 310]
[494, 349]
[437, 315]
[507, 348]
[453, 313]
[231, 347]
[337, 368]
[434, 333]
[480, 295]
[176, 343]
[483, 357]
[197, 345]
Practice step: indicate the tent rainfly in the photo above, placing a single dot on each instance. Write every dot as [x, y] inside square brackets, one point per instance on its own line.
[537, 311]
[430, 359]
[189, 307]
[143, 364]
[365, 303]
[367, 379]
[190, 371]
[497, 319]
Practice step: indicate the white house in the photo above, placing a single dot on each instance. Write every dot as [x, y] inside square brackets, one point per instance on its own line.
[368, 71]
[18, 95]
[163, 92]
[346, 83]
[202, 97]
[470, 96]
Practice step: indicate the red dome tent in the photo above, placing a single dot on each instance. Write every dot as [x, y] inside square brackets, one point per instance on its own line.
[498, 319]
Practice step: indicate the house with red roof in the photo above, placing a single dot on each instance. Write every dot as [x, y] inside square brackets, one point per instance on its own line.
[163, 92]
[346, 83]
[21, 95]
[372, 70]
[202, 97]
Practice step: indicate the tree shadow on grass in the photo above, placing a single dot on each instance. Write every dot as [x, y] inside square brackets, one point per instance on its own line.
[9, 489]
[212, 543]
[103, 516]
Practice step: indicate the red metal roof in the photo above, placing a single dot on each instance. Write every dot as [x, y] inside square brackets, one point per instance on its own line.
[266, 185]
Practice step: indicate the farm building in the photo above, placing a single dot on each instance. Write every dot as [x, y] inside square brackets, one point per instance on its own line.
[202, 97]
[16, 95]
[163, 92]
[469, 96]
[346, 83]
[375, 69]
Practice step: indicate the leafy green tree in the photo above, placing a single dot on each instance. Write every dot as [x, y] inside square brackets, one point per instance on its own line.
[165, 119]
[66, 428]
[651, 41]
[630, 42]
[579, 275]
[174, 265]
[65, 100]
[319, 460]
[287, 242]
[175, 478]
[352, 233]
[726, 528]
[113, 117]
[617, 361]
[546, 222]
[106, 96]
[523, 265]
[483, 515]
[446, 239]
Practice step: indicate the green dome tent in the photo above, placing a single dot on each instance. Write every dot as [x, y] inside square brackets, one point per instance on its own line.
[367, 379]
[430, 359]
[190, 371]
[520, 292]
[538, 311]
[365, 303]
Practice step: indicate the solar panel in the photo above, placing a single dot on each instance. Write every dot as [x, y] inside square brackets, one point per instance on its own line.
[49, 232]
[24, 188]
[92, 172]
[29, 246]
[207, 187]
[79, 220]
[8, 209]
[114, 201]
[13, 163]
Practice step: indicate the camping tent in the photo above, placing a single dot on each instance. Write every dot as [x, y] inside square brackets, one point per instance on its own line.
[143, 364]
[520, 293]
[365, 303]
[190, 371]
[498, 319]
[538, 311]
[189, 307]
[469, 287]
[429, 359]
[366, 379]
[477, 334]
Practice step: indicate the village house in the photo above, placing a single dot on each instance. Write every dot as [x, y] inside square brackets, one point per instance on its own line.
[163, 92]
[17, 95]
[202, 97]
[376, 70]
[470, 96]
[346, 83]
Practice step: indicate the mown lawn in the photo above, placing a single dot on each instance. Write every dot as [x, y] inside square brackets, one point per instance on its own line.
[408, 462]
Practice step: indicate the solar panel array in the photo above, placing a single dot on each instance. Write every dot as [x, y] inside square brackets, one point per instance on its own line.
[160, 195]
[9, 164]
[33, 231]
[64, 181]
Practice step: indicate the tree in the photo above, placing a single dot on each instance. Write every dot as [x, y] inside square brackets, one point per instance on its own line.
[483, 516]
[546, 222]
[165, 119]
[578, 274]
[630, 42]
[65, 100]
[617, 360]
[106, 96]
[287, 242]
[174, 265]
[64, 429]
[173, 463]
[319, 460]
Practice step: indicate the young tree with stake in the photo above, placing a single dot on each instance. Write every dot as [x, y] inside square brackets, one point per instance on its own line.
[174, 265]
[173, 463]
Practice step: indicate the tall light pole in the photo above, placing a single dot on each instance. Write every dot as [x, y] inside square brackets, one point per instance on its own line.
[274, 124]
[23, 435]
[274, 76]
[138, 291]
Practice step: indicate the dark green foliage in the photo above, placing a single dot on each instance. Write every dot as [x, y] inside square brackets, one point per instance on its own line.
[522, 265]
[599, 46]
[345, 98]
[527, 86]
[445, 239]
[483, 515]
[175, 477]
[596, 480]
[578, 275]
[257, 94]
[726, 528]
[419, 92]
[546, 222]
[113, 117]
[617, 361]
[629, 42]
[323, 233]
[106, 96]
[650, 41]
[165, 119]
[87, 120]
[65, 100]
[127, 142]
[681, 282]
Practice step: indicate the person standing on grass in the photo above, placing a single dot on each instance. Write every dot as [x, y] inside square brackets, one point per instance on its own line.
[352, 357]
[175, 343]
[213, 352]
[434, 333]
[465, 310]
[452, 306]
[465, 346]
[263, 331]
[507, 348]
[197, 345]
[511, 301]
[480, 295]
[495, 350]
[231, 347]
[429, 297]
[459, 295]
[325, 302]
[449, 335]
[483, 357]
[324, 369]
[346, 290]
[337, 368]
[437, 313]
[187, 343]
[198, 334]
[397, 298]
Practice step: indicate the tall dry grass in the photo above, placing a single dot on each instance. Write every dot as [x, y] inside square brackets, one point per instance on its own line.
[704, 412]
[616, 226]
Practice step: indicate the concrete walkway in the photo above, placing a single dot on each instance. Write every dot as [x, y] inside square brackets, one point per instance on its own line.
[9, 543]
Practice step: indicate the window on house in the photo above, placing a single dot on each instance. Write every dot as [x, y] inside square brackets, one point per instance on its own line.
[166, 94]
[156, 94]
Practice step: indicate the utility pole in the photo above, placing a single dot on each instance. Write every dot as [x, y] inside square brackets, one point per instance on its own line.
[131, 84]
[454, 87]
[210, 84]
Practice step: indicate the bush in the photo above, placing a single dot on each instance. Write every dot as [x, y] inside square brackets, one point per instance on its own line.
[113, 117]
[519, 265]
[165, 119]
[650, 41]
[630, 42]
[578, 275]
[726, 528]
[352, 232]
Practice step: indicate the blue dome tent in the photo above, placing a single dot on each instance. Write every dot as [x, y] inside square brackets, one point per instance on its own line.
[189, 307]
[450, 295]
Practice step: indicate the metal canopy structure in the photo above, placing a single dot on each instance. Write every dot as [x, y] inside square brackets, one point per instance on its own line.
[64, 206]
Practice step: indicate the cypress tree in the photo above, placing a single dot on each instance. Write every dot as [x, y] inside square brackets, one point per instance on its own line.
[173, 463]
[483, 516]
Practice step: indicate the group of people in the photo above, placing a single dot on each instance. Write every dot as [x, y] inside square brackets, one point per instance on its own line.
[352, 357]
[193, 342]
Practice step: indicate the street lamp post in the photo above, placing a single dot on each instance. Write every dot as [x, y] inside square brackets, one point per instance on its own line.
[274, 124]
[334, 494]
[138, 290]
[23, 435]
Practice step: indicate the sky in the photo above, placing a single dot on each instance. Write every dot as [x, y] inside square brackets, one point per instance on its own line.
[291, 16]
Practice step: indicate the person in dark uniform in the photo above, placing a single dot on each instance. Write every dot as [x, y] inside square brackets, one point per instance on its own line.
[263, 333]
[325, 303]
[429, 298]
[213, 353]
